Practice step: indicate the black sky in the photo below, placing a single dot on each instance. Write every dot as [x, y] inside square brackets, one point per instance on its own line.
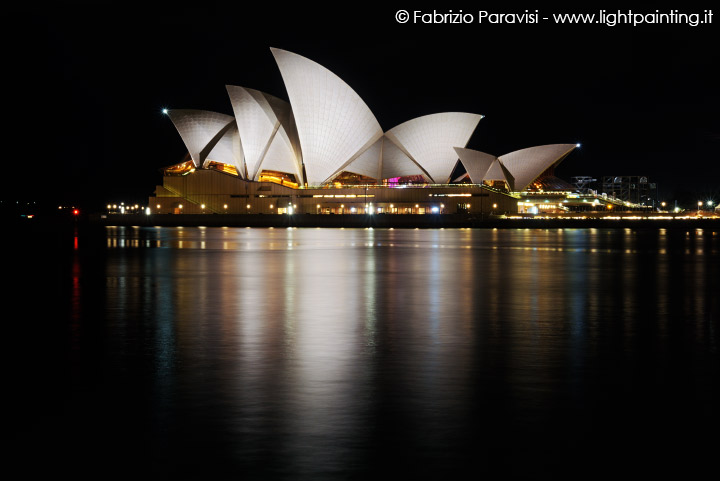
[87, 85]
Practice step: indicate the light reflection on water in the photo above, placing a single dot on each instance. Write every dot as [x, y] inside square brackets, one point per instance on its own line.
[313, 353]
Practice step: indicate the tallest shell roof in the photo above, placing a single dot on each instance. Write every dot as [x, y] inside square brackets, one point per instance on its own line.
[334, 125]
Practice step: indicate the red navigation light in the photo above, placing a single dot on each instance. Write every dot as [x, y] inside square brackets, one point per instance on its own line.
[76, 212]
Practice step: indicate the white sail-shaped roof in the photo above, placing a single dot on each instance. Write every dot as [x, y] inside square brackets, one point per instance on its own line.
[279, 157]
[228, 150]
[498, 172]
[334, 125]
[429, 140]
[396, 163]
[476, 163]
[527, 164]
[200, 130]
[368, 163]
[261, 120]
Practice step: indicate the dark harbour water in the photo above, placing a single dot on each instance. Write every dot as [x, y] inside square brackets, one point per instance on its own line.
[170, 353]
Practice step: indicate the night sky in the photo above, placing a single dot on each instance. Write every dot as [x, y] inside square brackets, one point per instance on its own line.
[87, 85]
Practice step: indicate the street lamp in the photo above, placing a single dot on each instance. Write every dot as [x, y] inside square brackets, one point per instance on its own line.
[699, 206]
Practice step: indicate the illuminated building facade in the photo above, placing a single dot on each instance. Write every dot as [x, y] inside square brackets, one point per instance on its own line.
[325, 152]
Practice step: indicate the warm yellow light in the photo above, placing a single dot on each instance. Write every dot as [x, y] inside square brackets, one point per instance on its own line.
[158, 206]
[180, 206]
[225, 206]
[271, 206]
[248, 206]
[202, 206]
[494, 206]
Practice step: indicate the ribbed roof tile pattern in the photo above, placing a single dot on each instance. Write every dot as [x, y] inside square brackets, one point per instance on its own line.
[279, 157]
[333, 122]
[258, 116]
[429, 140]
[498, 172]
[527, 164]
[367, 163]
[228, 150]
[396, 163]
[200, 130]
[476, 163]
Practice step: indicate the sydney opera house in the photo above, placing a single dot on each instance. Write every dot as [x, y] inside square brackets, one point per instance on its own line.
[324, 152]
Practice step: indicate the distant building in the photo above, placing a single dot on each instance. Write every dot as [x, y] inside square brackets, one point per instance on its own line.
[636, 189]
